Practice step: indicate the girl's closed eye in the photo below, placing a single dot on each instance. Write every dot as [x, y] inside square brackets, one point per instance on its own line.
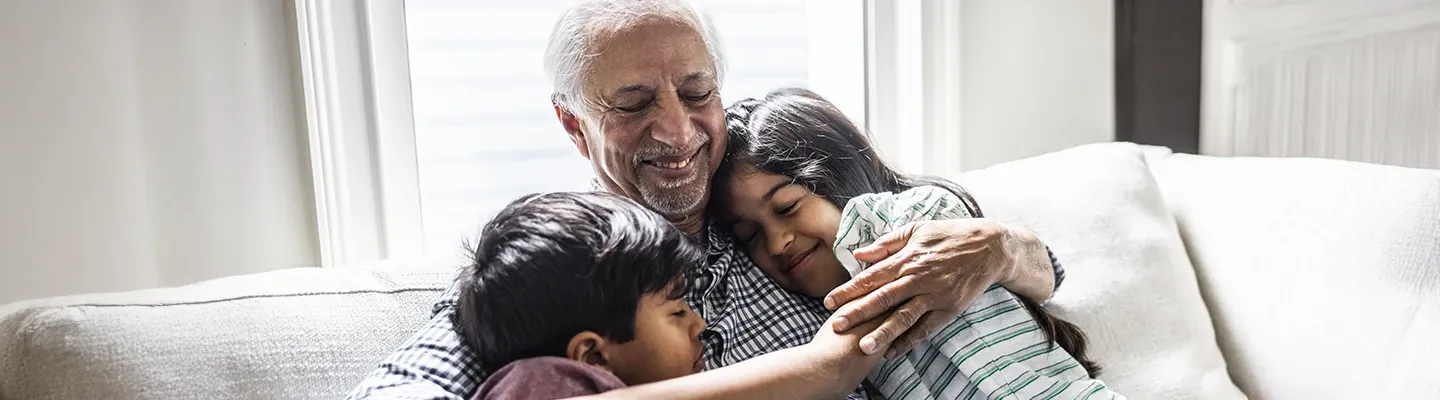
[746, 233]
[788, 208]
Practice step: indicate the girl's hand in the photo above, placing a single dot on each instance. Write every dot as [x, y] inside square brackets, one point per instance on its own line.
[839, 351]
[928, 273]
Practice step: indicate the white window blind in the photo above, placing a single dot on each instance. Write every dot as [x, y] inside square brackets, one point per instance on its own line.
[484, 129]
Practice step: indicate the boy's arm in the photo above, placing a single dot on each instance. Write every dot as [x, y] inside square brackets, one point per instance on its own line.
[828, 367]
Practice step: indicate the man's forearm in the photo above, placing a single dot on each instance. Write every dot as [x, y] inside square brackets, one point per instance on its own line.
[1032, 275]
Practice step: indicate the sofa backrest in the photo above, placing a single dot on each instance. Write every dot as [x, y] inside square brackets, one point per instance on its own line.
[1322, 277]
[305, 333]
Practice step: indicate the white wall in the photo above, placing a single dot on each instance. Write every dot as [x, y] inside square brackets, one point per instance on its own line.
[1038, 77]
[147, 143]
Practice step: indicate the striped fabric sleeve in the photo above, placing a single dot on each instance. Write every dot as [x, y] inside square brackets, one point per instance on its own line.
[923, 203]
[868, 216]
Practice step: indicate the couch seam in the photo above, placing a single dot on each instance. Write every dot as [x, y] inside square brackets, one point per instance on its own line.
[255, 296]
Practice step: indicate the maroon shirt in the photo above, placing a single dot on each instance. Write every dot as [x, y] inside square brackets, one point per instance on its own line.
[544, 378]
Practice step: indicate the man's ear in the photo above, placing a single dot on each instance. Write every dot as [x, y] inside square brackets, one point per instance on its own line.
[590, 348]
[571, 123]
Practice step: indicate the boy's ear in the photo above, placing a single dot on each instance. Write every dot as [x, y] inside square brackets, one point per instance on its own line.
[588, 347]
[571, 123]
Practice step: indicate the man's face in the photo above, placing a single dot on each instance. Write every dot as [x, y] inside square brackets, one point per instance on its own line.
[656, 127]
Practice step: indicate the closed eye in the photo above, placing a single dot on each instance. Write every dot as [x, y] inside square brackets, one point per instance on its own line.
[744, 234]
[698, 97]
[635, 108]
[787, 209]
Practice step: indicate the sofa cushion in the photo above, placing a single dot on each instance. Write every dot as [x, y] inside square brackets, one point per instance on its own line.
[305, 333]
[1129, 285]
[1323, 276]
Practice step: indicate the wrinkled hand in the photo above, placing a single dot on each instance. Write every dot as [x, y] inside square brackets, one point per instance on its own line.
[927, 272]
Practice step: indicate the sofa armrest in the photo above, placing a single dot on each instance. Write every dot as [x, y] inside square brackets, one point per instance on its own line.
[1322, 276]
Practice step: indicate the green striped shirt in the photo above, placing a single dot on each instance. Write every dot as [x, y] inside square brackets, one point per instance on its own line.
[995, 350]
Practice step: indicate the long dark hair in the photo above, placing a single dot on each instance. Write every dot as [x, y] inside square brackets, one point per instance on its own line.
[795, 133]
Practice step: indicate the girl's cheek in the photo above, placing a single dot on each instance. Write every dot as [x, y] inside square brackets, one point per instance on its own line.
[763, 261]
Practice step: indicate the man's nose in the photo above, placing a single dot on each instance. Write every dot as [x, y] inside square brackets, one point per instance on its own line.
[672, 124]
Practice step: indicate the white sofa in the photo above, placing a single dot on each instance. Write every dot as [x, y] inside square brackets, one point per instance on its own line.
[1195, 278]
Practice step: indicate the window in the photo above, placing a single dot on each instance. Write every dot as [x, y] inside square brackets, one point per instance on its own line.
[485, 133]
[424, 117]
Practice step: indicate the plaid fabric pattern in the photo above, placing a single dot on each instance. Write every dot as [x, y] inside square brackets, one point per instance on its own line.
[1059, 269]
[995, 350]
[747, 315]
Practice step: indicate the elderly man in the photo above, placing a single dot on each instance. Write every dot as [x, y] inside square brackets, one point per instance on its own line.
[636, 87]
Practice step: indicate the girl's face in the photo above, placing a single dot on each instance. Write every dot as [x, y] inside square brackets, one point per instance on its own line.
[788, 231]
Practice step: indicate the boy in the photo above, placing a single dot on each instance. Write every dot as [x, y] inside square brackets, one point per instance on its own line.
[578, 293]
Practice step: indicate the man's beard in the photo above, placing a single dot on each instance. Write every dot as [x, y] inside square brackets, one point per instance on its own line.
[675, 199]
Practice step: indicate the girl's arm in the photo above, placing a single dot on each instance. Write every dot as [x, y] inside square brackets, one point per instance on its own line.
[829, 367]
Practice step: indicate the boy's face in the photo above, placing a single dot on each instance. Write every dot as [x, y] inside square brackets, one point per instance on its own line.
[667, 343]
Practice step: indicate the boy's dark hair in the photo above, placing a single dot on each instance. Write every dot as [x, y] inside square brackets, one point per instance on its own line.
[550, 266]
[796, 133]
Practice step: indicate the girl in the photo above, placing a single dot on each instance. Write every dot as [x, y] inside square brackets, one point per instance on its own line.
[801, 189]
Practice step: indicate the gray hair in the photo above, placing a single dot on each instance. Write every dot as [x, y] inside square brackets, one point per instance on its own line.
[571, 46]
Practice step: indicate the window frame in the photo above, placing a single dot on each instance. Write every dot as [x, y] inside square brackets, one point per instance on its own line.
[352, 59]
[355, 82]
[914, 72]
